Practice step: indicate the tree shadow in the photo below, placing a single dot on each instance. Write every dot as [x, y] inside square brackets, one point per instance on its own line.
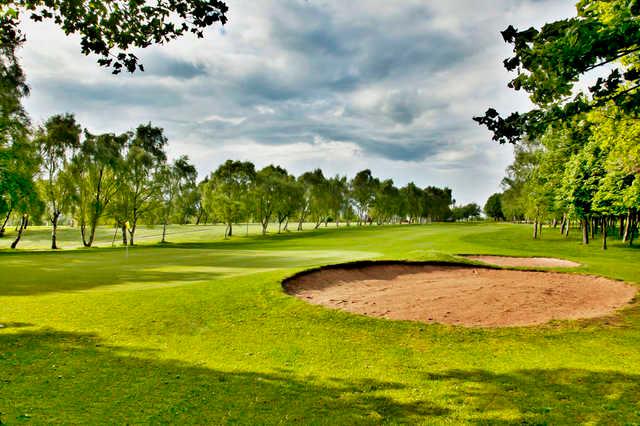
[539, 396]
[61, 281]
[32, 273]
[40, 273]
[49, 376]
[14, 325]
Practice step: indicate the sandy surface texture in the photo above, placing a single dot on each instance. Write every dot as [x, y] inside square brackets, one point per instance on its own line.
[544, 262]
[468, 296]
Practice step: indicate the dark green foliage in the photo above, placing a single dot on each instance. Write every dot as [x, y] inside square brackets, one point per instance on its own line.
[110, 29]
[466, 212]
[493, 207]
[604, 37]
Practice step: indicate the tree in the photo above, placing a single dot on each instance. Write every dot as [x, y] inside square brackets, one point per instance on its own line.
[144, 154]
[338, 188]
[291, 201]
[269, 191]
[316, 197]
[493, 207]
[198, 205]
[17, 154]
[95, 169]
[414, 201]
[363, 187]
[18, 168]
[57, 142]
[549, 62]
[111, 29]
[171, 181]
[581, 181]
[387, 203]
[466, 212]
[437, 202]
[227, 194]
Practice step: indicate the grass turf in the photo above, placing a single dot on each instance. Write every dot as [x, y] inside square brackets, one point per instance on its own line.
[200, 331]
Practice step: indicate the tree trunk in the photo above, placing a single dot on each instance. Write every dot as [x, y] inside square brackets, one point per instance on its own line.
[164, 232]
[115, 234]
[132, 230]
[54, 229]
[621, 228]
[286, 225]
[4, 223]
[123, 228]
[540, 231]
[535, 230]
[23, 224]
[230, 229]
[627, 227]
[92, 233]
[585, 231]
[563, 223]
[604, 233]
[265, 224]
[83, 231]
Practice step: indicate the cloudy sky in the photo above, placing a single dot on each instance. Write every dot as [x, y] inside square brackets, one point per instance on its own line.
[379, 84]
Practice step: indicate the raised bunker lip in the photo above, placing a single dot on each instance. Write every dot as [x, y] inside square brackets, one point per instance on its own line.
[286, 283]
[290, 287]
[511, 256]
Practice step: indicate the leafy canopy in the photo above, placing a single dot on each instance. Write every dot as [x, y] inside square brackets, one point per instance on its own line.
[603, 39]
[111, 28]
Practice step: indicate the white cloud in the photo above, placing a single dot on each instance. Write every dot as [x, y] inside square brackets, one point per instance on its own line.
[390, 86]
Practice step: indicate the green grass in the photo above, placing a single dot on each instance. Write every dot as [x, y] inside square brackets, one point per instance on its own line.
[199, 331]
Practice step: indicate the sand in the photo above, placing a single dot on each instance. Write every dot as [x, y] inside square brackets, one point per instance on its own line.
[457, 295]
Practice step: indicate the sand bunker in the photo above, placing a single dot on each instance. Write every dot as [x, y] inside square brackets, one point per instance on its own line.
[535, 262]
[469, 296]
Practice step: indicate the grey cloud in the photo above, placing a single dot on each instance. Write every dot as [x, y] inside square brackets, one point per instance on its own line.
[399, 80]
[113, 93]
[166, 66]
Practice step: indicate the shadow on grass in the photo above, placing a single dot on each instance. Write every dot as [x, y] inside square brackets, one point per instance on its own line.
[50, 376]
[14, 324]
[59, 377]
[539, 396]
[63, 281]
[76, 271]
[32, 273]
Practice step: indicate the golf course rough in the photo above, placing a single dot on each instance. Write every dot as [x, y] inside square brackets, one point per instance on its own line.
[201, 331]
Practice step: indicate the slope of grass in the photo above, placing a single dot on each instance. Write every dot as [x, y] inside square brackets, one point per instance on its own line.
[199, 331]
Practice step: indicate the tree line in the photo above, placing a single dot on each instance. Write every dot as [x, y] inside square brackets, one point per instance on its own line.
[60, 173]
[582, 173]
[577, 156]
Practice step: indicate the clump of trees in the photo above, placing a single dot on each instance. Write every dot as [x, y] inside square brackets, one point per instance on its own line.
[466, 212]
[577, 157]
[584, 174]
[493, 207]
[62, 174]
